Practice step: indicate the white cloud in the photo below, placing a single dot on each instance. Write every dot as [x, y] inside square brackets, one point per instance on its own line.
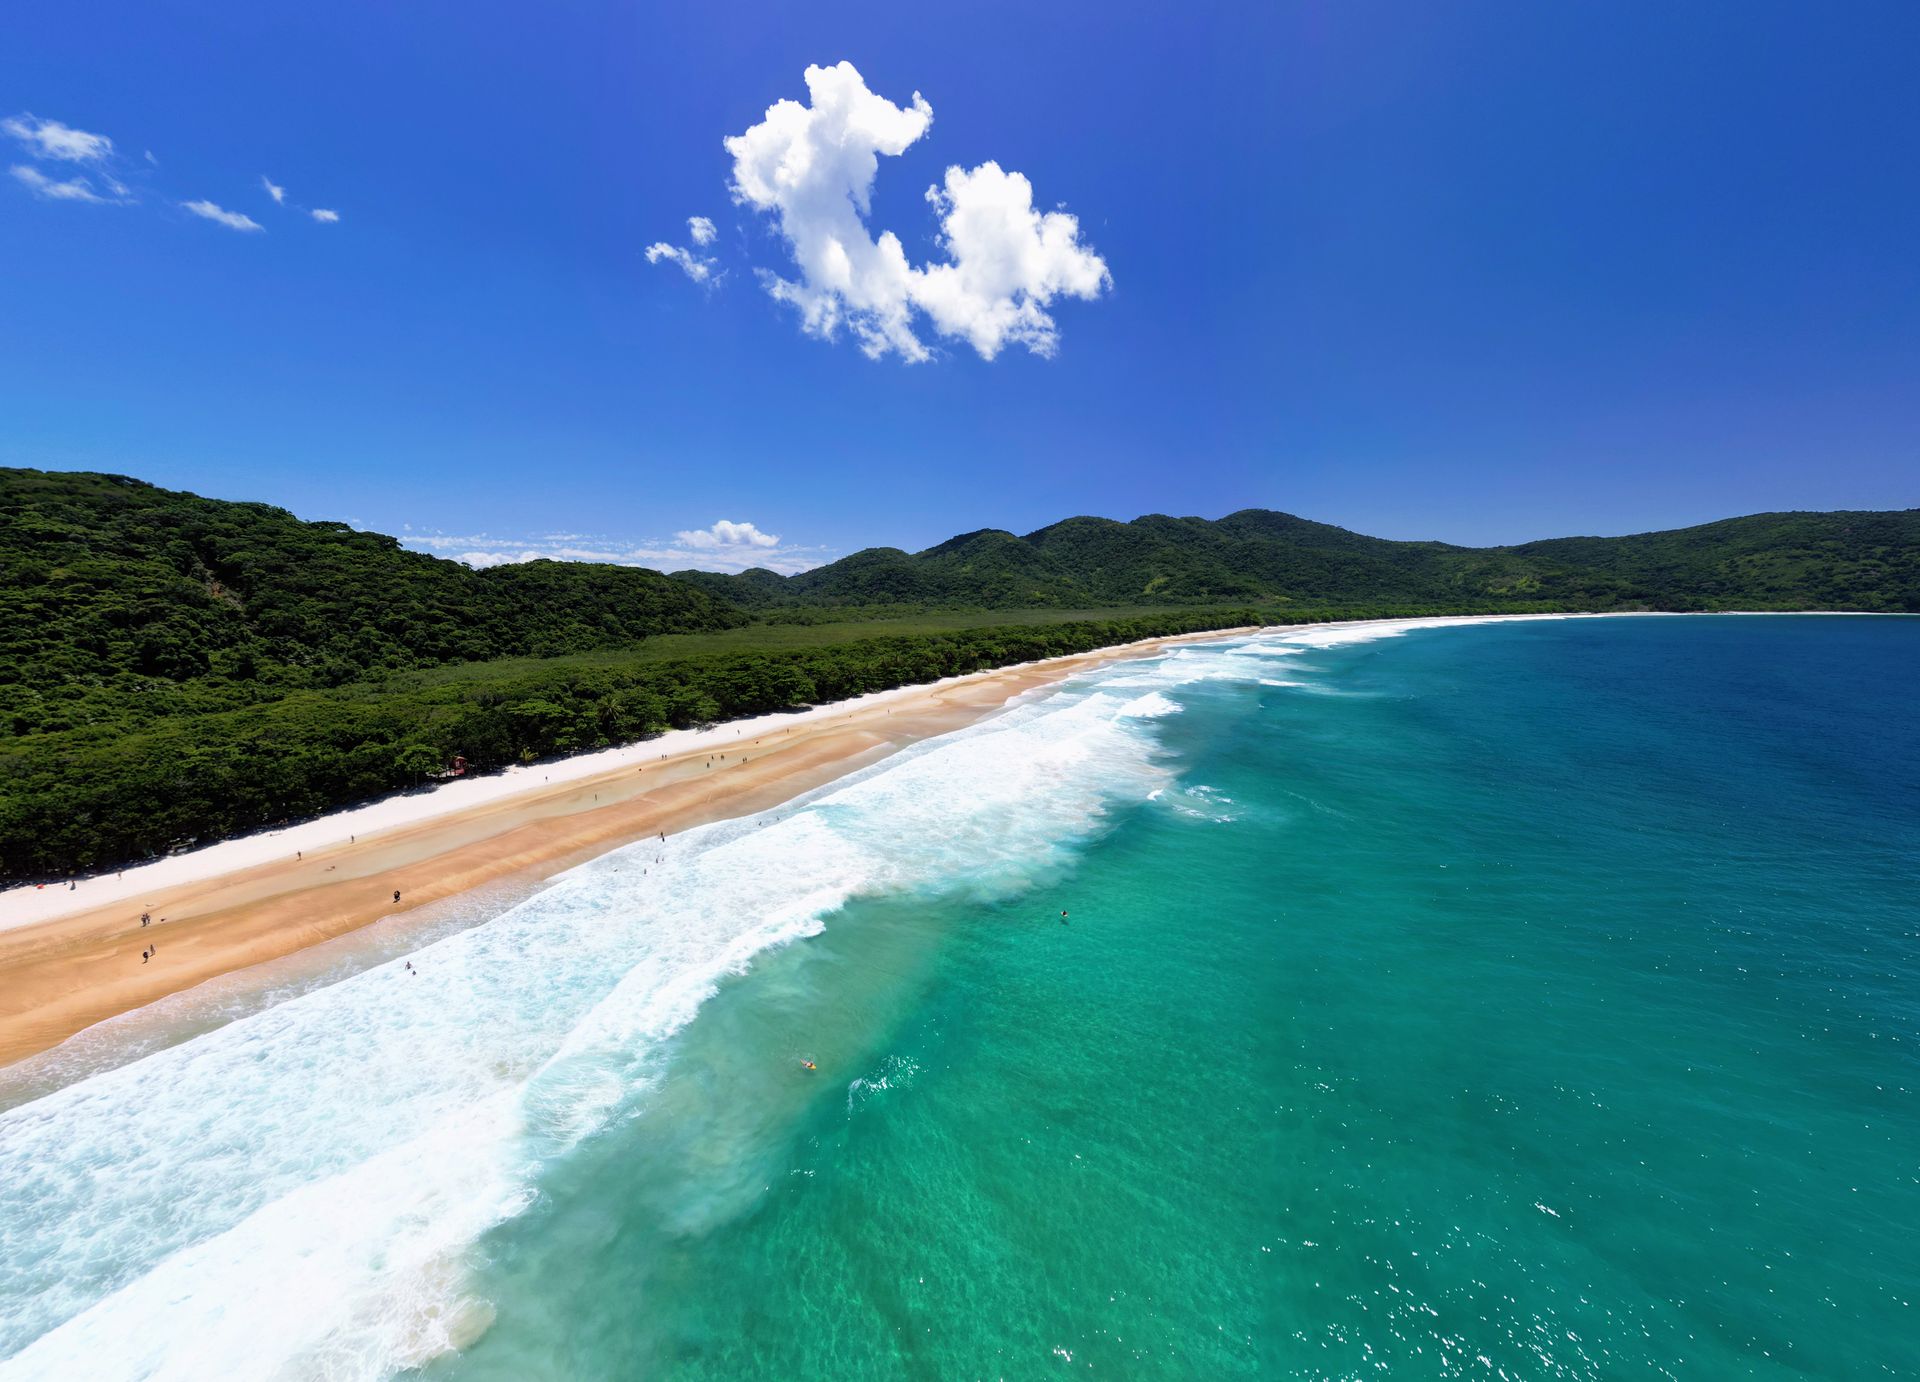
[324, 216]
[696, 268]
[1008, 262]
[726, 546]
[233, 220]
[726, 534]
[274, 190]
[813, 168]
[51, 139]
[485, 559]
[73, 189]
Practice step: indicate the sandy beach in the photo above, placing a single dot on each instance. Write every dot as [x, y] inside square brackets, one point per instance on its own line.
[72, 958]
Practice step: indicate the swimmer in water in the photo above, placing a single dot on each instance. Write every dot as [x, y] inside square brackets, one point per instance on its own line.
[1063, 917]
[809, 1064]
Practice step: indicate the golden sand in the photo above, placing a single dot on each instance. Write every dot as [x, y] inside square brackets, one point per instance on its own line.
[60, 976]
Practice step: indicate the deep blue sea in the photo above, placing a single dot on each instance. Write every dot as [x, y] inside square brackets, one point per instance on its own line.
[1512, 1000]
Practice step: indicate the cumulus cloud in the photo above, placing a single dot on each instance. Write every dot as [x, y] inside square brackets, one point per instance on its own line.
[726, 534]
[232, 220]
[725, 546]
[324, 216]
[812, 168]
[485, 559]
[701, 229]
[73, 189]
[51, 139]
[274, 190]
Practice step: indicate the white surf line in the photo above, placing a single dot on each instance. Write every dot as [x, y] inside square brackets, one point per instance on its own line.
[390, 1119]
[31, 903]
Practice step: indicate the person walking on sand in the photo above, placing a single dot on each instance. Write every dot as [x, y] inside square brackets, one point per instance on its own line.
[143, 957]
[146, 918]
[396, 894]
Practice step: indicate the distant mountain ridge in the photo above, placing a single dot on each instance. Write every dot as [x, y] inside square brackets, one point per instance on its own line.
[1861, 560]
[110, 585]
[175, 669]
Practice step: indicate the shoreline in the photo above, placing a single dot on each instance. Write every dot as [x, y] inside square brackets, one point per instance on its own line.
[72, 958]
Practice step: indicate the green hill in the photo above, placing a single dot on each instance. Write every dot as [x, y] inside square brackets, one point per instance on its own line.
[175, 669]
[113, 591]
[1865, 561]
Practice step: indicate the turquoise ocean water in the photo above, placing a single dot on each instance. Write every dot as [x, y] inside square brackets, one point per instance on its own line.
[1534, 999]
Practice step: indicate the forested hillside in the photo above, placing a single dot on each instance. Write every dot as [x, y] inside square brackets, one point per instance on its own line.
[105, 795]
[1864, 561]
[121, 599]
[174, 669]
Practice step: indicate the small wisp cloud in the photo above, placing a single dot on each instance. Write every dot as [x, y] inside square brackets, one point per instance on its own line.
[67, 164]
[219, 215]
[49, 139]
[698, 267]
[279, 195]
[77, 188]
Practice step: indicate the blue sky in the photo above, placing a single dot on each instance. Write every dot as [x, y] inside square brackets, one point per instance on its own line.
[1480, 272]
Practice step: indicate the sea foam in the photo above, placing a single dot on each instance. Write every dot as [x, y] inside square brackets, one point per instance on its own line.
[299, 1191]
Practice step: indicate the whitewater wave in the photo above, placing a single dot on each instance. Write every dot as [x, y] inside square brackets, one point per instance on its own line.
[299, 1190]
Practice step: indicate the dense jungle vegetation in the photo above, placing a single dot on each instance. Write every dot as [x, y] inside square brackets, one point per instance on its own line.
[175, 669]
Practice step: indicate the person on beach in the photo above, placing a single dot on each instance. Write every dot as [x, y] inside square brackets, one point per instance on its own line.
[396, 894]
[143, 957]
[146, 918]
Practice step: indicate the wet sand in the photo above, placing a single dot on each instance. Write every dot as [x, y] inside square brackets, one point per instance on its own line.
[62, 975]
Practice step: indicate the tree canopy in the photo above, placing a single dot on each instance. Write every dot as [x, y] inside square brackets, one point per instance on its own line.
[175, 669]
